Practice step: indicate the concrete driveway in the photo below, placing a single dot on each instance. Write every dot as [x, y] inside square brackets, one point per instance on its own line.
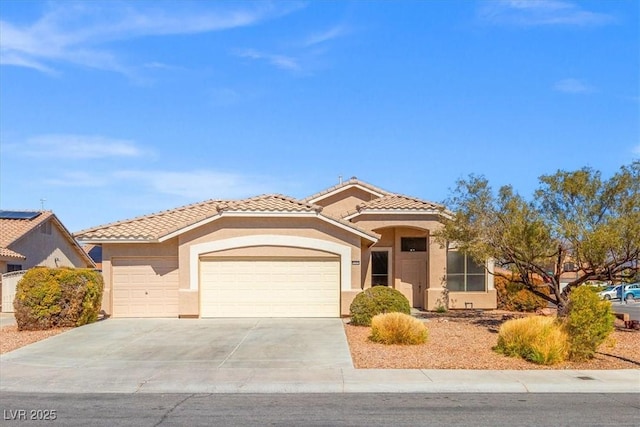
[128, 354]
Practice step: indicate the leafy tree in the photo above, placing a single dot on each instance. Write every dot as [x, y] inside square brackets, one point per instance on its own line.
[573, 217]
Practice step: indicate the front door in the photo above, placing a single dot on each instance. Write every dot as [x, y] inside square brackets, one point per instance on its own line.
[413, 277]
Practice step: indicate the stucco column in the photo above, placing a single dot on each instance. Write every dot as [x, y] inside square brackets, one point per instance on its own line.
[437, 272]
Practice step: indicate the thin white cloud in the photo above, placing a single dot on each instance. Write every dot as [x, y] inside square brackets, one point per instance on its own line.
[78, 147]
[539, 13]
[636, 150]
[76, 32]
[573, 86]
[198, 184]
[283, 62]
[325, 36]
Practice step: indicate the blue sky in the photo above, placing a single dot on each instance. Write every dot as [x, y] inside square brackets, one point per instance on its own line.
[116, 109]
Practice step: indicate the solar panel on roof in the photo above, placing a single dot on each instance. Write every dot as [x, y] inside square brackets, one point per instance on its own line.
[19, 214]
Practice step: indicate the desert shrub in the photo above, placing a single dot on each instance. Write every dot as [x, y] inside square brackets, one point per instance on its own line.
[57, 297]
[397, 328]
[377, 300]
[441, 309]
[538, 339]
[588, 323]
[514, 296]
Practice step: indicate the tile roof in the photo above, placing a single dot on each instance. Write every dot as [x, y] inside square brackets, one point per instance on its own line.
[155, 226]
[270, 203]
[398, 202]
[349, 182]
[8, 253]
[12, 230]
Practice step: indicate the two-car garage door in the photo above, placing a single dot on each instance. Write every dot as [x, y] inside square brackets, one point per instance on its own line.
[294, 287]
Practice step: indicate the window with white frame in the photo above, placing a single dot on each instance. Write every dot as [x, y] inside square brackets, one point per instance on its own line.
[464, 274]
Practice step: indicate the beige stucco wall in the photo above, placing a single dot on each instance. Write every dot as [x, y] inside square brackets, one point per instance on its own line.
[48, 250]
[232, 227]
[130, 250]
[392, 228]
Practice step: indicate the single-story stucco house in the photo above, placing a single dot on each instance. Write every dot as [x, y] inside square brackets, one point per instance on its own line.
[276, 256]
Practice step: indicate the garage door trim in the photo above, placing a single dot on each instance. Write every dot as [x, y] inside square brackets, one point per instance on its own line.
[343, 251]
[240, 291]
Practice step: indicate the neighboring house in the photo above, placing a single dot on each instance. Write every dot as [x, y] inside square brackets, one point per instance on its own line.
[276, 256]
[35, 238]
[95, 253]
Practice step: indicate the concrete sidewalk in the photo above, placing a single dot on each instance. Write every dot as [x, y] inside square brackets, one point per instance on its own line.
[141, 377]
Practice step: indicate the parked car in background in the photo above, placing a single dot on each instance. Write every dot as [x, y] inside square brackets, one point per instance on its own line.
[629, 292]
[610, 292]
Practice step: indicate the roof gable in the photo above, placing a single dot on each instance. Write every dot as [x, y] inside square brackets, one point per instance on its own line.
[13, 230]
[346, 185]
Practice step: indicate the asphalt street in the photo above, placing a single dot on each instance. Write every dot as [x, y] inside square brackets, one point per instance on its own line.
[371, 409]
[631, 308]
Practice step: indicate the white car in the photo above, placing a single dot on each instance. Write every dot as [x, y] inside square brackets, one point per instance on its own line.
[611, 292]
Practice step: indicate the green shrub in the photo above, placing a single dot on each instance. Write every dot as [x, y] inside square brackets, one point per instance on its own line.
[398, 328]
[514, 296]
[441, 309]
[538, 339]
[57, 297]
[377, 300]
[588, 323]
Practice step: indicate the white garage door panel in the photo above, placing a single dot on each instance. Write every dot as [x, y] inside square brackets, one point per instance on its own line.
[145, 287]
[276, 288]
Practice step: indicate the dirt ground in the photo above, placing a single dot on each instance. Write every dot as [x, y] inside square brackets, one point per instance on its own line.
[464, 340]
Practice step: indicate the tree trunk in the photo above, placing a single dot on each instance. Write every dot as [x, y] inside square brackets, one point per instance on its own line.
[563, 302]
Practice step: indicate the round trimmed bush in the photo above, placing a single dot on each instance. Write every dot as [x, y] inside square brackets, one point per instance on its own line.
[57, 297]
[377, 300]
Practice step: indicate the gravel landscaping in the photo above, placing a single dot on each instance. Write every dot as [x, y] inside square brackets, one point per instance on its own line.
[464, 340]
[11, 338]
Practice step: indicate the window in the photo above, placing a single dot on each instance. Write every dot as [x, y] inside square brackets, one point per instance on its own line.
[463, 274]
[13, 267]
[379, 268]
[413, 244]
[568, 267]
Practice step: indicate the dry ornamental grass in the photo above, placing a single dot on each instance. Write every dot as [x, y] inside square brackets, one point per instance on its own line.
[463, 340]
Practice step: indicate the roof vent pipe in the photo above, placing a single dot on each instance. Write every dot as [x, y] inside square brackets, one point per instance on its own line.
[340, 179]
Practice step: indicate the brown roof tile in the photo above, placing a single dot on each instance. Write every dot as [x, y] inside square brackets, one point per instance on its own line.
[270, 203]
[153, 226]
[8, 253]
[399, 202]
